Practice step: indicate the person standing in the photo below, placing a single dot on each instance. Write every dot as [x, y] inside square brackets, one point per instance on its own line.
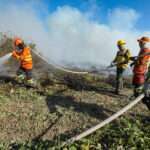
[141, 71]
[121, 62]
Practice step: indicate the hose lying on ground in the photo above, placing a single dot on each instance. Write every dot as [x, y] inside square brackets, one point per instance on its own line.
[102, 124]
[57, 66]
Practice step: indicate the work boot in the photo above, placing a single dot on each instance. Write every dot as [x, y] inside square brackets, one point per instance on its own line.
[119, 86]
[31, 82]
[20, 78]
[132, 97]
[117, 92]
[138, 90]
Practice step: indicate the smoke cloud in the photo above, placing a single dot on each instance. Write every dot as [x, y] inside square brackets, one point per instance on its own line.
[69, 36]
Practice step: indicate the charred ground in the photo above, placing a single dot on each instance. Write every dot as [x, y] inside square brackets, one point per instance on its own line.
[61, 106]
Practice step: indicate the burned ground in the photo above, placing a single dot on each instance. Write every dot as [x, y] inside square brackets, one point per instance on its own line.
[61, 106]
[56, 110]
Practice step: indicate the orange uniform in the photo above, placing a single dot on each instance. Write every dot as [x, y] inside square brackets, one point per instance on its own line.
[142, 63]
[141, 67]
[25, 58]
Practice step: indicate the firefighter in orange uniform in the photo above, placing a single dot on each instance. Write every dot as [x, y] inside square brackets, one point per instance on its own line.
[23, 54]
[141, 66]
[141, 70]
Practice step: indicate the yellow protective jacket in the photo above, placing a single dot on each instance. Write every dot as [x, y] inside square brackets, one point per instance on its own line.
[122, 59]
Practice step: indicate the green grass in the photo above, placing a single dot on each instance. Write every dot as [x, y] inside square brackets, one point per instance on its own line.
[64, 106]
[124, 133]
[45, 117]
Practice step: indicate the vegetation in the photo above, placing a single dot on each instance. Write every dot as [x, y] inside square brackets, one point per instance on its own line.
[64, 105]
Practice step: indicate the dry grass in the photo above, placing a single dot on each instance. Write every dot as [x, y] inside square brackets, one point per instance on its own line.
[56, 109]
[62, 106]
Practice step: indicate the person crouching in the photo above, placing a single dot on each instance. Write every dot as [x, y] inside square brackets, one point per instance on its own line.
[23, 54]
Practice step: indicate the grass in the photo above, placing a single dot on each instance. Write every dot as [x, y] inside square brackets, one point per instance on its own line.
[55, 112]
[65, 105]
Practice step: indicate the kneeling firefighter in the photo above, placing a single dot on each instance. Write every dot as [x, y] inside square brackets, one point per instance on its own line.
[23, 54]
[141, 71]
[121, 62]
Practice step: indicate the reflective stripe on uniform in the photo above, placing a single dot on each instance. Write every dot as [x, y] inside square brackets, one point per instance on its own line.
[26, 59]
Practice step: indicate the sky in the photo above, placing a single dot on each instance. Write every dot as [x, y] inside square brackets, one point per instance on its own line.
[78, 32]
[103, 7]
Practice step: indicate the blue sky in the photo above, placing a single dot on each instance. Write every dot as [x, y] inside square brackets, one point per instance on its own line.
[104, 6]
[101, 8]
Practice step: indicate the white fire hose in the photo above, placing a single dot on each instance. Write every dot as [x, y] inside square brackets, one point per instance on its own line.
[58, 66]
[105, 122]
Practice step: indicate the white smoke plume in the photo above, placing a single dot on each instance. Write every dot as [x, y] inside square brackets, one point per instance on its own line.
[69, 36]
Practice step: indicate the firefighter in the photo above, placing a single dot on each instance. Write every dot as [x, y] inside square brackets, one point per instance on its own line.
[23, 54]
[121, 62]
[141, 66]
[141, 79]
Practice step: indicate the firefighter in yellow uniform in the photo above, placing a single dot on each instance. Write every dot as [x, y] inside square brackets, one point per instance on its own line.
[121, 62]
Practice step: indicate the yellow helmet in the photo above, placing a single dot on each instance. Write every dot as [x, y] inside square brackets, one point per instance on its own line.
[121, 42]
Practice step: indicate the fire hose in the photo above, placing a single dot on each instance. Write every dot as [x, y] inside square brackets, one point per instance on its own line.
[58, 66]
[105, 122]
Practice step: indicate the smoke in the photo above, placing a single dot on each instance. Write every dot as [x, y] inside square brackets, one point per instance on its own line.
[4, 60]
[69, 36]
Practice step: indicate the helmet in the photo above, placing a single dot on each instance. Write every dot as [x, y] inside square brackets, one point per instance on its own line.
[121, 42]
[17, 41]
[144, 39]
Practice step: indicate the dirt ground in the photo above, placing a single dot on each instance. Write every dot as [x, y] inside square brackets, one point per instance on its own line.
[57, 109]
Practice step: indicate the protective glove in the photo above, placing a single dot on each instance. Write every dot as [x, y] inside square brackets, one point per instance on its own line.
[14, 54]
[132, 64]
[112, 64]
[134, 58]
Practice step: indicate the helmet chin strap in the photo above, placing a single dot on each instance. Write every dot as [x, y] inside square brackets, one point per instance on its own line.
[122, 48]
[18, 49]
